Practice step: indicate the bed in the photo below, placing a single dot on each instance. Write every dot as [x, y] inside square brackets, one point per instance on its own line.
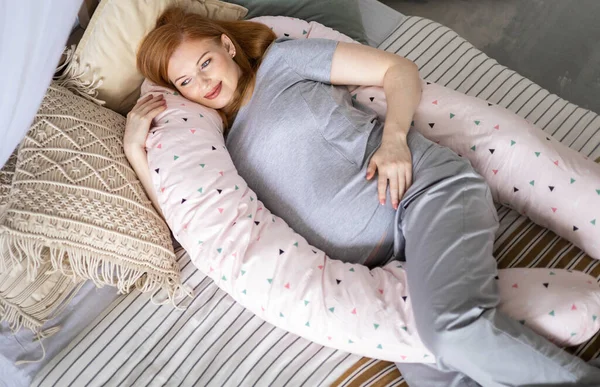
[127, 340]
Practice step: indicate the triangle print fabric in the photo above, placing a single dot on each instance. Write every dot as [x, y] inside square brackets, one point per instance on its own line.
[272, 271]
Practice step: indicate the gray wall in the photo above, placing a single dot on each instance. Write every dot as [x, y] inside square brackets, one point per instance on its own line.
[555, 43]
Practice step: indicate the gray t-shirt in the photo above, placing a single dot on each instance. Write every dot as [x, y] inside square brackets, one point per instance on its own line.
[303, 146]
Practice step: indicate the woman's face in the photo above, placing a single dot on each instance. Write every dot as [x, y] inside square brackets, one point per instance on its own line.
[204, 71]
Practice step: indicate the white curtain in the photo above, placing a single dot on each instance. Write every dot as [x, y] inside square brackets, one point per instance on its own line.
[33, 34]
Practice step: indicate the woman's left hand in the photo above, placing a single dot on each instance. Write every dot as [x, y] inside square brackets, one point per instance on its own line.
[393, 163]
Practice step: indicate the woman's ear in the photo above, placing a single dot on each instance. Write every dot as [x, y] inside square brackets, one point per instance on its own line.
[228, 45]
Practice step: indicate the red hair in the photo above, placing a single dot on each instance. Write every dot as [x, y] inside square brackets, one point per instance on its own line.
[175, 25]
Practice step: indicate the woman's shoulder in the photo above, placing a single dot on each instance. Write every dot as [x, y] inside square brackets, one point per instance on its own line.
[277, 44]
[278, 50]
[310, 58]
[300, 49]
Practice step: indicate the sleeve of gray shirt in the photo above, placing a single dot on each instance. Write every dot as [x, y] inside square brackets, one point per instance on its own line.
[310, 58]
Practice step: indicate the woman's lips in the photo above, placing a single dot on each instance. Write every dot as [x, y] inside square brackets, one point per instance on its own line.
[214, 92]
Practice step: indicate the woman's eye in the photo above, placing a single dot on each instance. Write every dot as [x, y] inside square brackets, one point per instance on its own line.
[185, 83]
[205, 63]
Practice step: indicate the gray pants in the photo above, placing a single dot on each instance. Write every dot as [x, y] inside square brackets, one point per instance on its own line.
[446, 228]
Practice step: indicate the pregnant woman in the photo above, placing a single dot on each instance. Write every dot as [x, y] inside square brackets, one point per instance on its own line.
[362, 190]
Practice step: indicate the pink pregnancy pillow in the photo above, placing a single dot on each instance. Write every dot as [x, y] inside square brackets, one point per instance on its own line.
[271, 270]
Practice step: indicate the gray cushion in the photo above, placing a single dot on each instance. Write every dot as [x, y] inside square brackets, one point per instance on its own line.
[378, 20]
[341, 15]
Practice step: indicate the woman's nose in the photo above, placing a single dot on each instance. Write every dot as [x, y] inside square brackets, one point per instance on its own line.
[204, 81]
[206, 84]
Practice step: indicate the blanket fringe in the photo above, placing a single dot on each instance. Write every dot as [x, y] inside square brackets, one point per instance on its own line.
[80, 264]
[70, 75]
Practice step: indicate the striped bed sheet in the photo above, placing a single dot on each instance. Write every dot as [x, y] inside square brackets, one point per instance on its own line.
[215, 342]
[445, 58]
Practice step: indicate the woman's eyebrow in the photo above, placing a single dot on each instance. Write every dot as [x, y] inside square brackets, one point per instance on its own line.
[199, 59]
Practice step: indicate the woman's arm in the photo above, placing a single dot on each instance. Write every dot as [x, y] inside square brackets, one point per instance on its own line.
[138, 159]
[355, 64]
[139, 121]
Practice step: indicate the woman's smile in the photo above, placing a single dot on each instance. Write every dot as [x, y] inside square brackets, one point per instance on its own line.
[214, 93]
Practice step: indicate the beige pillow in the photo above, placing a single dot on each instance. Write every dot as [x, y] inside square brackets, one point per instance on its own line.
[75, 201]
[104, 60]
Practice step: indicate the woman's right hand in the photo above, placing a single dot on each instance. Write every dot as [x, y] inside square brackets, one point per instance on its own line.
[139, 120]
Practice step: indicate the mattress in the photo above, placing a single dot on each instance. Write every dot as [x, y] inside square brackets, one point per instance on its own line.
[445, 58]
[215, 342]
